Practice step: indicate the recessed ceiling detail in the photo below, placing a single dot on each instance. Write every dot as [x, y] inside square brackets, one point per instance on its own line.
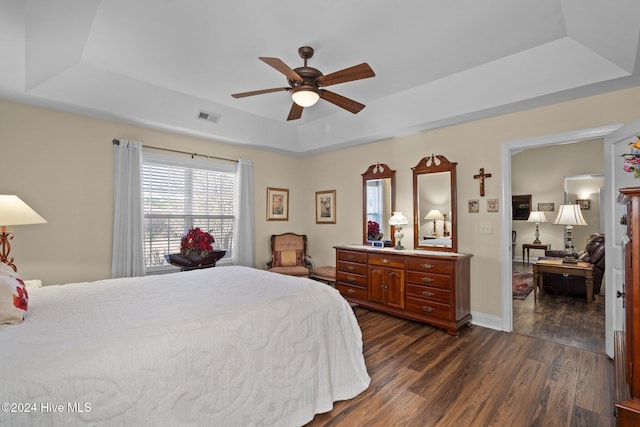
[436, 63]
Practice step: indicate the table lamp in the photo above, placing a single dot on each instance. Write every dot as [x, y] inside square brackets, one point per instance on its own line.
[14, 211]
[569, 215]
[397, 221]
[537, 217]
[434, 214]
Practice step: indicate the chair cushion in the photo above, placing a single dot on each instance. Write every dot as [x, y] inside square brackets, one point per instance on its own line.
[288, 258]
[291, 271]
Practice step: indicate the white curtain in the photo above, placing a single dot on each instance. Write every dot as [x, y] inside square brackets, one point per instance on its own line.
[127, 258]
[243, 241]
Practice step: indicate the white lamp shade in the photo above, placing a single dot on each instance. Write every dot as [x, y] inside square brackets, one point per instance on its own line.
[398, 219]
[537, 217]
[13, 211]
[570, 215]
[305, 97]
[434, 214]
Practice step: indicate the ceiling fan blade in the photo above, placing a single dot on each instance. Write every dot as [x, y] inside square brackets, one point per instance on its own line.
[357, 72]
[341, 101]
[259, 92]
[282, 67]
[295, 112]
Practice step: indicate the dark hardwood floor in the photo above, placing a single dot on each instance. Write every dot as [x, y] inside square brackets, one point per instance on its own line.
[421, 376]
[564, 320]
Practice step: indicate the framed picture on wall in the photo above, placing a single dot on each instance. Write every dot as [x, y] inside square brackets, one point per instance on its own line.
[326, 207]
[584, 203]
[277, 204]
[546, 207]
[474, 206]
[492, 205]
[520, 207]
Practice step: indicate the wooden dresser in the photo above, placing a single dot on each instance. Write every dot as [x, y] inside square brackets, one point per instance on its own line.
[426, 286]
[627, 345]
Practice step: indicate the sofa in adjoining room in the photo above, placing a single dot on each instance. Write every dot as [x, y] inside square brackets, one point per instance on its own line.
[561, 284]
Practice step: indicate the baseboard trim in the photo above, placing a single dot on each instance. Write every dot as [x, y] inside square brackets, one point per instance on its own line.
[486, 321]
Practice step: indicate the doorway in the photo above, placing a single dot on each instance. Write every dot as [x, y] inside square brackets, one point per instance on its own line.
[507, 150]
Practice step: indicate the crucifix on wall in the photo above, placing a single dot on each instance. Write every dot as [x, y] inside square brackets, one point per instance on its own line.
[481, 176]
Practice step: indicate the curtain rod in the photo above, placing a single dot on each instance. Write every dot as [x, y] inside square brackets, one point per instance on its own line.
[117, 142]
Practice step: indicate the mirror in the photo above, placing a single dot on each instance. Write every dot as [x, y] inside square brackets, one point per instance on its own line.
[378, 204]
[434, 204]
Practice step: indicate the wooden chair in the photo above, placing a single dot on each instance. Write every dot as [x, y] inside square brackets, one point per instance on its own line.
[289, 255]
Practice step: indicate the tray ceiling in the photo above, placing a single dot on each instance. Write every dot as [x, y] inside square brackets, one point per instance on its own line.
[159, 63]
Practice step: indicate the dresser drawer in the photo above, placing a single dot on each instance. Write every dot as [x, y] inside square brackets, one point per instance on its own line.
[350, 267]
[352, 256]
[385, 260]
[352, 291]
[428, 308]
[428, 293]
[437, 280]
[351, 279]
[430, 265]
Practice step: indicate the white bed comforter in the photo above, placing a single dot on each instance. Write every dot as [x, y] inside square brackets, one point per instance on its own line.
[226, 346]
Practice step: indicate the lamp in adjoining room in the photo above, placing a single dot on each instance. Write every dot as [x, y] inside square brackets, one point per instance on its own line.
[569, 215]
[397, 221]
[434, 215]
[537, 217]
[13, 211]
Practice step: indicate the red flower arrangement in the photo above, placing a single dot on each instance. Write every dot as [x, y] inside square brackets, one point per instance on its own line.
[196, 242]
[373, 230]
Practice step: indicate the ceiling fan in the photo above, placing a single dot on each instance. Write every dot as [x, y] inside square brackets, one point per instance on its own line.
[305, 84]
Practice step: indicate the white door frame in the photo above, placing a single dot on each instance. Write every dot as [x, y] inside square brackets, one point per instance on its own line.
[506, 150]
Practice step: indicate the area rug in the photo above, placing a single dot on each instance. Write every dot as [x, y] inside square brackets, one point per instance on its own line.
[522, 285]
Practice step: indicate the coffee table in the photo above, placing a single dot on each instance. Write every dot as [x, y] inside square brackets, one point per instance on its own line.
[557, 266]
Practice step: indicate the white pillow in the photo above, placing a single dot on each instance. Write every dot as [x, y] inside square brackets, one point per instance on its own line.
[13, 296]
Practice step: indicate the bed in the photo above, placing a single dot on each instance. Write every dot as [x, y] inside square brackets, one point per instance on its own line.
[225, 346]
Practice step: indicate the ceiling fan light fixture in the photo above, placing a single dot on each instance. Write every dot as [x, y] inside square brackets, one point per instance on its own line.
[305, 96]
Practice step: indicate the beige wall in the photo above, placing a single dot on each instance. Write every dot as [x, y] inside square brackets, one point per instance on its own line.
[61, 164]
[540, 172]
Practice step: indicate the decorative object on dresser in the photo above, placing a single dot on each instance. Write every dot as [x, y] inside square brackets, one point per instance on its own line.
[627, 347]
[420, 285]
[378, 202]
[398, 220]
[569, 215]
[537, 217]
[434, 187]
[289, 255]
[13, 211]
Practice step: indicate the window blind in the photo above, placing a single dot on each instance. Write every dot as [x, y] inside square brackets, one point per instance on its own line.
[181, 193]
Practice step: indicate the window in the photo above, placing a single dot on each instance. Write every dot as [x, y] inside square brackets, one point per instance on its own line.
[183, 193]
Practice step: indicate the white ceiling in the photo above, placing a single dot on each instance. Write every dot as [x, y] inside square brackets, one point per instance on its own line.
[158, 63]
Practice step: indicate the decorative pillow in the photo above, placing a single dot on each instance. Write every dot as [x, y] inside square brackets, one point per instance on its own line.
[13, 297]
[288, 258]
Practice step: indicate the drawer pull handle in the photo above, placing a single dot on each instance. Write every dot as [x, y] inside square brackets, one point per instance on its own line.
[427, 308]
[351, 279]
[351, 291]
[385, 261]
[350, 268]
[351, 257]
[427, 279]
[427, 266]
[427, 293]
